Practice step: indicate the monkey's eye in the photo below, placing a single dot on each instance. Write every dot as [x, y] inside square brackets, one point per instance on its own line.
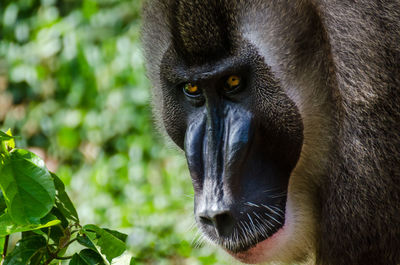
[232, 84]
[192, 91]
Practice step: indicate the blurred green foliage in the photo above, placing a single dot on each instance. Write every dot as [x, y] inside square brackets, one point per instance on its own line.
[73, 85]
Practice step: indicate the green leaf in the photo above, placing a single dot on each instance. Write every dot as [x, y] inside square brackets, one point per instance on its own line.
[3, 205]
[27, 187]
[63, 202]
[24, 250]
[5, 137]
[92, 257]
[7, 226]
[56, 232]
[109, 245]
[119, 235]
[6, 141]
[55, 211]
[86, 242]
[10, 143]
[87, 257]
[77, 260]
[2, 241]
[38, 257]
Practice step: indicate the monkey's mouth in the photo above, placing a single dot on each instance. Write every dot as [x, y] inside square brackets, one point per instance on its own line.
[256, 223]
[262, 251]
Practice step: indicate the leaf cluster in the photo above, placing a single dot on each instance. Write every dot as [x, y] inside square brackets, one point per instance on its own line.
[33, 202]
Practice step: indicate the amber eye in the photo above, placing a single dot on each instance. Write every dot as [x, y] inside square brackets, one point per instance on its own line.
[232, 83]
[191, 90]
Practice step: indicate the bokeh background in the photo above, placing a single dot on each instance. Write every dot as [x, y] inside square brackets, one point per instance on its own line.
[74, 87]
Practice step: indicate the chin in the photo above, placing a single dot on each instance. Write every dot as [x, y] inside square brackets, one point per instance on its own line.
[265, 251]
[269, 249]
[288, 245]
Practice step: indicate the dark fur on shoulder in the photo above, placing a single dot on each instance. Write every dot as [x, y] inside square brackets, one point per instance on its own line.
[360, 221]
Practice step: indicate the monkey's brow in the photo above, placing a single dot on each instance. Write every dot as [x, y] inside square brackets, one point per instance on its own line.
[180, 73]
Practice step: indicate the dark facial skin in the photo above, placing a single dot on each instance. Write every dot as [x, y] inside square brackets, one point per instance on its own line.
[240, 150]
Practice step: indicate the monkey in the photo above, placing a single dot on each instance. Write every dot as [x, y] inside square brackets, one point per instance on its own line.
[288, 113]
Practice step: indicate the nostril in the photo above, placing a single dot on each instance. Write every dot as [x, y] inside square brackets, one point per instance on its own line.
[222, 221]
[206, 220]
[223, 218]
[224, 224]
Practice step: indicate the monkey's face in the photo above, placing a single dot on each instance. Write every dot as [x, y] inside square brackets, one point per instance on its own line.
[242, 137]
[243, 133]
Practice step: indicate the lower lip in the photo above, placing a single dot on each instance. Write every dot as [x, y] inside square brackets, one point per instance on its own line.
[261, 252]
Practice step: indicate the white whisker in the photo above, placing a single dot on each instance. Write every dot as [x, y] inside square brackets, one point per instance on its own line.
[252, 204]
[270, 209]
[277, 209]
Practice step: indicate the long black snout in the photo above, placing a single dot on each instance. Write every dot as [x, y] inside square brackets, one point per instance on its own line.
[216, 147]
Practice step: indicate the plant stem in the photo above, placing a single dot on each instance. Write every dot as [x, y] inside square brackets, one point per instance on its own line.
[54, 255]
[5, 249]
[64, 258]
[49, 260]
